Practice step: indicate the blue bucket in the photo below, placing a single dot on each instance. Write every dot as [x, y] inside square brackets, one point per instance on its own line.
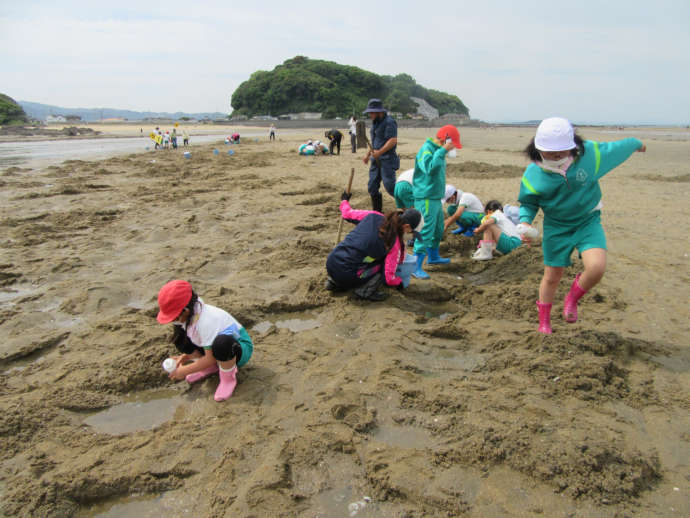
[187, 154]
[215, 151]
[231, 152]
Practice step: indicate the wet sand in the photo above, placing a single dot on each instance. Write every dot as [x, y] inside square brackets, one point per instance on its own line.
[441, 401]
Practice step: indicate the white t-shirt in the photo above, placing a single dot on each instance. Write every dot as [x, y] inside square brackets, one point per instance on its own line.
[507, 227]
[208, 322]
[471, 202]
[353, 126]
[406, 176]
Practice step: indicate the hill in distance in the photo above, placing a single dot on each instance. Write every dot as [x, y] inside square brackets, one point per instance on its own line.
[41, 111]
[301, 84]
[11, 112]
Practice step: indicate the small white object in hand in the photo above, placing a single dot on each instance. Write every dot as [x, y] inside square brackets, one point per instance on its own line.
[169, 365]
[527, 230]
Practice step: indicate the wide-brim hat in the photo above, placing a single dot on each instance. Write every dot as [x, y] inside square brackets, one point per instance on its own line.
[374, 106]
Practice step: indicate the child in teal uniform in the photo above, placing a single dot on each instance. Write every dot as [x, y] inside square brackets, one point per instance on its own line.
[498, 233]
[464, 209]
[563, 180]
[428, 187]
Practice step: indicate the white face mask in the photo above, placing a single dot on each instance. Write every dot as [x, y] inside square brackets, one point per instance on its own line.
[561, 165]
[453, 152]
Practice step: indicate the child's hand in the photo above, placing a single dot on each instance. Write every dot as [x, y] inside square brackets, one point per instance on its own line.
[182, 359]
[642, 149]
[176, 375]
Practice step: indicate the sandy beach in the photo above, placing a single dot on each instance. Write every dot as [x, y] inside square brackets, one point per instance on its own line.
[441, 401]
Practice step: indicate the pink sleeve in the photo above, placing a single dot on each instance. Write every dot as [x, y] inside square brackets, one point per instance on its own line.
[392, 261]
[352, 214]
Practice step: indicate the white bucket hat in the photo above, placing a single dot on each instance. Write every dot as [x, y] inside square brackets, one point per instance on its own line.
[555, 134]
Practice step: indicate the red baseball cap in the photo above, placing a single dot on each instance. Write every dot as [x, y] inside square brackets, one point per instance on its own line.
[172, 299]
[451, 132]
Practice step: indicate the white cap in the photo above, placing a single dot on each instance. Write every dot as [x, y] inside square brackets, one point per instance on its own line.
[450, 190]
[555, 134]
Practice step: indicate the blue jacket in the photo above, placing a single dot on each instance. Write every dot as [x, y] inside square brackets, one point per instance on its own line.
[565, 201]
[361, 248]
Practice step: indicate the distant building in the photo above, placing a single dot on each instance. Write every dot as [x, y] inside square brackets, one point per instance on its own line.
[73, 118]
[302, 116]
[55, 118]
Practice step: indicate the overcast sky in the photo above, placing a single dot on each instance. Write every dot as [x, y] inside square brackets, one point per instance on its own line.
[591, 61]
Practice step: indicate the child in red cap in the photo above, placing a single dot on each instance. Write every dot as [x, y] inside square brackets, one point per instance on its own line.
[209, 338]
[428, 189]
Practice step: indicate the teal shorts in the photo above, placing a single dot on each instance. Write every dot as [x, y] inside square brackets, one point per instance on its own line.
[246, 345]
[559, 242]
[468, 219]
[403, 195]
[507, 244]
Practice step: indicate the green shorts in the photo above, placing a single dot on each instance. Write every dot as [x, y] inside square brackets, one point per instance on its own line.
[507, 244]
[247, 347]
[403, 195]
[559, 242]
[468, 219]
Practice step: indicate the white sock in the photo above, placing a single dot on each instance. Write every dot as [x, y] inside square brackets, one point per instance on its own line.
[227, 370]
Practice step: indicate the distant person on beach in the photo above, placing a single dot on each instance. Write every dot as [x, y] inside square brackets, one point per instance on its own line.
[166, 140]
[382, 158]
[173, 138]
[497, 231]
[352, 125]
[334, 136]
[374, 245]
[463, 208]
[272, 132]
[185, 138]
[235, 138]
[428, 189]
[563, 180]
[209, 338]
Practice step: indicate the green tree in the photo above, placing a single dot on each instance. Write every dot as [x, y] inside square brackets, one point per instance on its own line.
[11, 112]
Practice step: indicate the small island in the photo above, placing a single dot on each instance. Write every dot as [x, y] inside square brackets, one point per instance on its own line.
[317, 89]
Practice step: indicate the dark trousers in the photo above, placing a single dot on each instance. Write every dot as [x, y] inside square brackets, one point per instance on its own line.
[385, 173]
[353, 142]
[334, 142]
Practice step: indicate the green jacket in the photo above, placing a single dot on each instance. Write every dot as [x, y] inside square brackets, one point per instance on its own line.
[429, 180]
[565, 201]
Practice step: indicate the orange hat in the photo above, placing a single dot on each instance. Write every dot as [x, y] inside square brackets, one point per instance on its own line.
[449, 132]
[172, 299]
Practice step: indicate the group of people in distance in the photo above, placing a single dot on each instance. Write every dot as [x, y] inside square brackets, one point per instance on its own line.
[168, 139]
[562, 179]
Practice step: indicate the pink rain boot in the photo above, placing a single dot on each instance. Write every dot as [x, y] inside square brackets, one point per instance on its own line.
[228, 380]
[544, 318]
[198, 376]
[570, 301]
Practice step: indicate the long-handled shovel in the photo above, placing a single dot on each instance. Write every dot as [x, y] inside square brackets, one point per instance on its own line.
[349, 188]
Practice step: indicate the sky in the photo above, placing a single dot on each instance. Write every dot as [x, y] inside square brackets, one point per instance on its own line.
[604, 61]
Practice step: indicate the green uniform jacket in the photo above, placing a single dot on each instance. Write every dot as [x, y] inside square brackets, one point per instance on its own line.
[429, 180]
[566, 201]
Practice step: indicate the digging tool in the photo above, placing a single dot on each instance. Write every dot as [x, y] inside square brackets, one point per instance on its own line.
[349, 188]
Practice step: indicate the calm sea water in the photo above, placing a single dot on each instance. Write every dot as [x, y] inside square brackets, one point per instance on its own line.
[35, 154]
